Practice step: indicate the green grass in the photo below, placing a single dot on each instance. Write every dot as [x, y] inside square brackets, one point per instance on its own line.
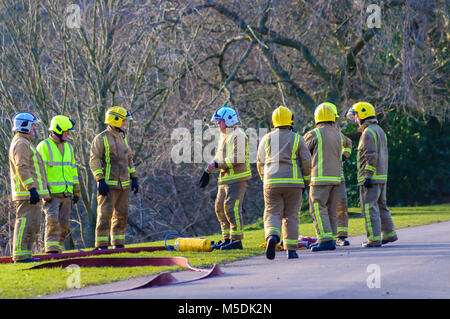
[15, 282]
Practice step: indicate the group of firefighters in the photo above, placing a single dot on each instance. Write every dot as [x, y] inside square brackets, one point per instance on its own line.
[288, 163]
[46, 178]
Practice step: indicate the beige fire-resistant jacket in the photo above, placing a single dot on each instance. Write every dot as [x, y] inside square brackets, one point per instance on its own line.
[111, 159]
[372, 156]
[232, 157]
[346, 150]
[283, 159]
[325, 144]
[26, 168]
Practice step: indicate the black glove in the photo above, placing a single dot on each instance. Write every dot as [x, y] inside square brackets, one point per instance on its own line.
[75, 199]
[344, 158]
[204, 180]
[134, 185]
[368, 182]
[34, 196]
[103, 188]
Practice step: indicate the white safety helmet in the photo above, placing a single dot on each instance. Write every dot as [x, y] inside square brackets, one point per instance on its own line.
[22, 122]
[225, 113]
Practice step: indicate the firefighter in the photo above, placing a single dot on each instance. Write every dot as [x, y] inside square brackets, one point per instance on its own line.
[342, 206]
[283, 161]
[232, 159]
[28, 186]
[62, 176]
[111, 162]
[372, 164]
[324, 143]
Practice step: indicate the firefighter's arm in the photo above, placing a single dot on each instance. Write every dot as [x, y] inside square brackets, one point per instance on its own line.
[132, 168]
[261, 157]
[76, 182]
[23, 161]
[304, 155]
[347, 146]
[310, 140]
[369, 154]
[96, 158]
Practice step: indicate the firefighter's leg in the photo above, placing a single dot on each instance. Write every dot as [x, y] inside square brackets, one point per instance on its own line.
[26, 229]
[64, 219]
[105, 210]
[52, 225]
[387, 225]
[220, 212]
[292, 201]
[370, 211]
[342, 212]
[120, 216]
[318, 198]
[273, 212]
[233, 209]
[332, 204]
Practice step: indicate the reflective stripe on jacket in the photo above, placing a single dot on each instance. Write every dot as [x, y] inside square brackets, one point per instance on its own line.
[324, 143]
[372, 157]
[26, 168]
[283, 159]
[111, 159]
[232, 157]
[62, 173]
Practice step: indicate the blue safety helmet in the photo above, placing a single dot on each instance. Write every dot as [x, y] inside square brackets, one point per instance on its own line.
[225, 113]
[22, 122]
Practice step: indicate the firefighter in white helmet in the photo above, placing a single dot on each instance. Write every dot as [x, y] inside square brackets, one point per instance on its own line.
[28, 186]
[372, 162]
[232, 159]
[111, 162]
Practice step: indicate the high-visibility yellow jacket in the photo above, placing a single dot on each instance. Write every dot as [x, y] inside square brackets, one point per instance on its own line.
[325, 144]
[60, 165]
[372, 156]
[26, 168]
[111, 159]
[232, 157]
[283, 159]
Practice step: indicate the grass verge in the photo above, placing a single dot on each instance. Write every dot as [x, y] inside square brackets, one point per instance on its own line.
[16, 282]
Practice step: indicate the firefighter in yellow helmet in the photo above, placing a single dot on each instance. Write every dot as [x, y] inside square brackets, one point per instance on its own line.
[232, 159]
[28, 186]
[324, 143]
[283, 163]
[111, 162]
[372, 163]
[342, 207]
[62, 176]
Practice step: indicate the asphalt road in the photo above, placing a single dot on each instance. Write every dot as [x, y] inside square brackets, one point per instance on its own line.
[415, 266]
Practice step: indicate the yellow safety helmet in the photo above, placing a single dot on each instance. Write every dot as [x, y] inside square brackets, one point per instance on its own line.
[364, 110]
[60, 124]
[115, 116]
[282, 116]
[325, 112]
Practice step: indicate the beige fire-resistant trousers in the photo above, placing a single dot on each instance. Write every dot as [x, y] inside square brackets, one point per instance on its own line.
[323, 202]
[281, 214]
[376, 214]
[342, 212]
[228, 207]
[112, 215]
[26, 228]
[57, 215]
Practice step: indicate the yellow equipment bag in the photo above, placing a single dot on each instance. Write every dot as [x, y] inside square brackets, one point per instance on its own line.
[192, 244]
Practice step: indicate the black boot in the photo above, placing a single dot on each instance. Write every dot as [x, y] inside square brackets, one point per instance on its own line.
[292, 254]
[369, 244]
[29, 260]
[52, 252]
[270, 246]
[118, 246]
[225, 242]
[341, 241]
[235, 244]
[328, 245]
[100, 248]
